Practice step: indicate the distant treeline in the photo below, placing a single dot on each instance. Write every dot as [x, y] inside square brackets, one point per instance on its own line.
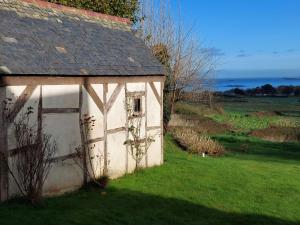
[208, 97]
[266, 89]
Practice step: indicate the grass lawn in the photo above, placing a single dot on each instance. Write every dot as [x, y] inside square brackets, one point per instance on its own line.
[257, 185]
[288, 106]
[238, 112]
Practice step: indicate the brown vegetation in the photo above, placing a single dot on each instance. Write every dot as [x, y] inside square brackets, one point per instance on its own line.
[278, 134]
[195, 143]
[266, 113]
[200, 124]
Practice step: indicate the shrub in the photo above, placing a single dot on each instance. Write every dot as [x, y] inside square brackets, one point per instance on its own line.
[122, 8]
[195, 143]
[200, 124]
[103, 181]
[280, 134]
[31, 163]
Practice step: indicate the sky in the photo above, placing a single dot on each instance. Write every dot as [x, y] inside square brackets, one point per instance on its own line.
[247, 35]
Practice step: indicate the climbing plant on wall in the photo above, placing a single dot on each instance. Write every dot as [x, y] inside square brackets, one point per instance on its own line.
[88, 158]
[137, 142]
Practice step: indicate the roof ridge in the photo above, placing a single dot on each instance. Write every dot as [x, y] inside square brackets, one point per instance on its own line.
[76, 11]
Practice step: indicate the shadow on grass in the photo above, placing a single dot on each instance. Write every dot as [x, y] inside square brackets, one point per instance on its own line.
[121, 206]
[273, 151]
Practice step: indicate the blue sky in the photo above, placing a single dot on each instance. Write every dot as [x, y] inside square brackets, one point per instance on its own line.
[247, 34]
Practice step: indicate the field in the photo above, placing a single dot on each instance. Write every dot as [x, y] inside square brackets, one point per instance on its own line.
[254, 187]
[246, 114]
[254, 182]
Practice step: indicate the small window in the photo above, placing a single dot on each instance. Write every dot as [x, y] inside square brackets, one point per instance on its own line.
[137, 106]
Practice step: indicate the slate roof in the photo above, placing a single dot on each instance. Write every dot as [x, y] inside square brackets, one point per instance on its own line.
[37, 40]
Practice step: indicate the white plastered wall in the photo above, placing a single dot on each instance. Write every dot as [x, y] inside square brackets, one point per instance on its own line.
[153, 107]
[64, 127]
[154, 119]
[116, 118]
[90, 108]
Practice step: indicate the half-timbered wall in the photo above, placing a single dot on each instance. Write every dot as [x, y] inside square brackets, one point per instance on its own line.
[58, 108]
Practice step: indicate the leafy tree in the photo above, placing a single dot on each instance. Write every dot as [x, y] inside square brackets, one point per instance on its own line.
[239, 91]
[268, 89]
[122, 8]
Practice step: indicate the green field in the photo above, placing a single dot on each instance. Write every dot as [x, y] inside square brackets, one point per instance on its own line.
[260, 186]
[289, 106]
[255, 182]
[238, 112]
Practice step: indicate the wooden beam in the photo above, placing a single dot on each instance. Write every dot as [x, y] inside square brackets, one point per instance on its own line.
[40, 132]
[15, 151]
[84, 161]
[127, 132]
[60, 110]
[21, 101]
[153, 128]
[146, 120]
[140, 115]
[63, 158]
[136, 93]
[3, 152]
[114, 96]
[40, 114]
[58, 80]
[162, 121]
[94, 96]
[117, 130]
[95, 140]
[105, 90]
[158, 98]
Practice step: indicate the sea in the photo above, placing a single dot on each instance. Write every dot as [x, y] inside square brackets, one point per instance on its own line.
[224, 84]
[229, 79]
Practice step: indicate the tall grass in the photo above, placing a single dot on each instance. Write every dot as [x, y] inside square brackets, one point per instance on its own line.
[278, 134]
[195, 143]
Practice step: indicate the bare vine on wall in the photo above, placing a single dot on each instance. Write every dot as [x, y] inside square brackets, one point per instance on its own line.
[87, 158]
[137, 142]
[30, 162]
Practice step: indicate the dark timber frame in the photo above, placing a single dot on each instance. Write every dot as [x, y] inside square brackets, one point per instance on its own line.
[32, 82]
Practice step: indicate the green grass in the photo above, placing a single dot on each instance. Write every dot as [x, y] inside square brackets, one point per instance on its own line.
[238, 112]
[192, 109]
[245, 123]
[288, 106]
[260, 185]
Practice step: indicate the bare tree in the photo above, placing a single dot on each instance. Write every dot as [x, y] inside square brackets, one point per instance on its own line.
[31, 161]
[189, 67]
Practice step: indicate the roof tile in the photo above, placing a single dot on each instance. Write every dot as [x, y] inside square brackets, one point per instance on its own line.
[90, 45]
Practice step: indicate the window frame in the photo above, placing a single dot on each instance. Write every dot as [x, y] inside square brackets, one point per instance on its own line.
[137, 104]
[133, 97]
